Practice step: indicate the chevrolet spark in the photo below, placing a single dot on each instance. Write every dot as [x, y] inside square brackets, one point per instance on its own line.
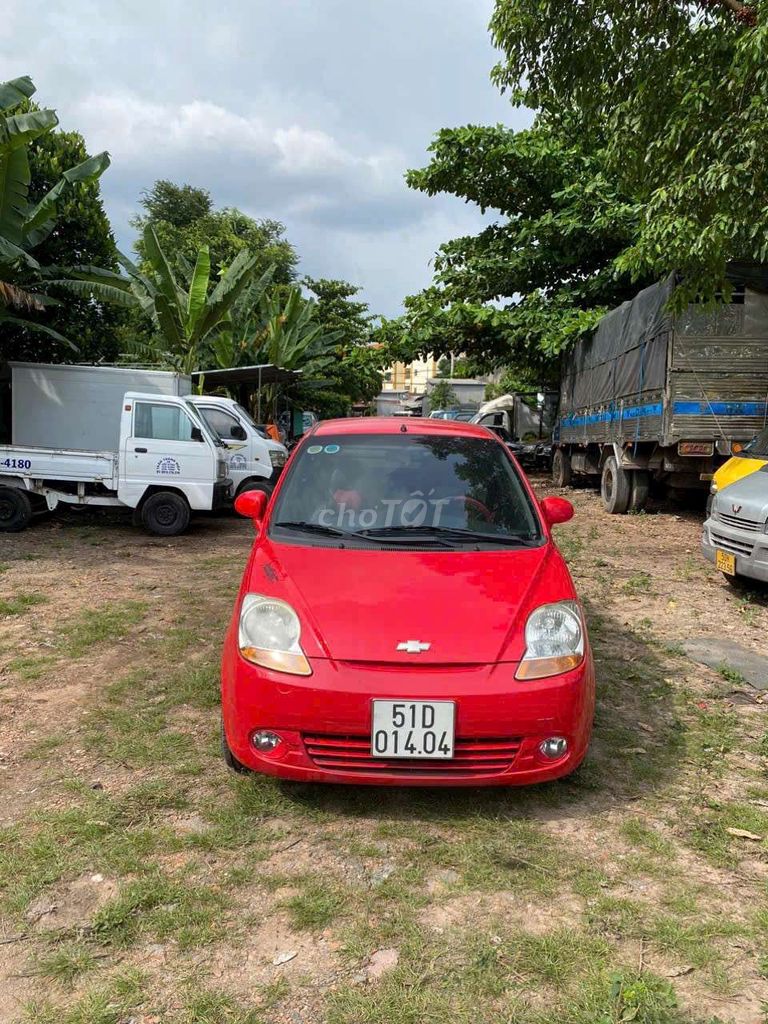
[405, 617]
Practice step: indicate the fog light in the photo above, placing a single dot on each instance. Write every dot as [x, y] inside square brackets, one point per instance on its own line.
[554, 747]
[265, 741]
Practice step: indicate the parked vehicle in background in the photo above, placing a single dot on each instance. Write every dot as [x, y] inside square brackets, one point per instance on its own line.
[662, 397]
[405, 617]
[463, 415]
[254, 461]
[81, 435]
[524, 426]
[735, 534]
[746, 460]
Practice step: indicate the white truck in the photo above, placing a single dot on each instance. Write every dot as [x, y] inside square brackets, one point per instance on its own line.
[255, 461]
[109, 436]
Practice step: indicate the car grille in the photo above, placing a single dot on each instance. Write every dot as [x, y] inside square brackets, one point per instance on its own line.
[735, 547]
[738, 522]
[351, 755]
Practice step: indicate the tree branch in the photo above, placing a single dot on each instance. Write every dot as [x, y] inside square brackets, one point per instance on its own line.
[748, 15]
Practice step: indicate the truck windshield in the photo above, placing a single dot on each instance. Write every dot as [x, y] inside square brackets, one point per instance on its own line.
[445, 490]
[244, 414]
[757, 448]
[199, 421]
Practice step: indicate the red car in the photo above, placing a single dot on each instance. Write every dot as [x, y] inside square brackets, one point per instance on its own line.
[405, 617]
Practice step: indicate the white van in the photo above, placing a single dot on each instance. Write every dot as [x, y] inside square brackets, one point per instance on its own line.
[254, 460]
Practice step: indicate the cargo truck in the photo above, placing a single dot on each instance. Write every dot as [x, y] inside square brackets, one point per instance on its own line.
[656, 397]
[111, 437]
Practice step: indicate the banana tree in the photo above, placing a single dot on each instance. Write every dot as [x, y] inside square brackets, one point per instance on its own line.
[187, 316]
[23, 224]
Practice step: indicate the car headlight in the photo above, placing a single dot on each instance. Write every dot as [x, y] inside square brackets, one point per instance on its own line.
[554, 641]
[269, 635]
[713, 488]
[277, 458]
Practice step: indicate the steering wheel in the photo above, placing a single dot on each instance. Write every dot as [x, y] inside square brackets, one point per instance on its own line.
[478, 506]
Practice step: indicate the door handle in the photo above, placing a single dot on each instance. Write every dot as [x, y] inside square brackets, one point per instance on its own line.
[143, 450]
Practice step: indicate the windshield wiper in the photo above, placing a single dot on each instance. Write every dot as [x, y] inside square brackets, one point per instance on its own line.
[305, 527]
[452, 531]
[333, 531]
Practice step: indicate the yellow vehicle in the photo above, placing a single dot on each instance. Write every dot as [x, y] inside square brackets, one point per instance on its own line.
[752, 457]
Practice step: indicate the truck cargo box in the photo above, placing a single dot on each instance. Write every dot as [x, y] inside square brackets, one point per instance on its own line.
[78, 407]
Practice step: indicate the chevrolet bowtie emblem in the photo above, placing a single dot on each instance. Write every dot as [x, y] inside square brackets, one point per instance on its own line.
[413, 646]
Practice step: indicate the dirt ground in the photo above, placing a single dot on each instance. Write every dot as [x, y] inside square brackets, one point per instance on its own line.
[139, 882]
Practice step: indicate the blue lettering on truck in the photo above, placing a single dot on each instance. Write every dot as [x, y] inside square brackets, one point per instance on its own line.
[168, 466]
[17, 463]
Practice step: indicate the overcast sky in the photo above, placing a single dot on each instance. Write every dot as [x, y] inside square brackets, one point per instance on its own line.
[308, 111]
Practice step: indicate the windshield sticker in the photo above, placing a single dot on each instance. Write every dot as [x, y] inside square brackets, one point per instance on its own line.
[331, 449]
[314, 449]
[168, 466]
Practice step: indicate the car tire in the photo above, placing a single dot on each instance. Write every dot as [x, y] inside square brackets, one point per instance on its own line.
[166, 514]
[229, 758]
[256, 485]
[562, 473]
[615, 487]
[15, 510]
[639, 490]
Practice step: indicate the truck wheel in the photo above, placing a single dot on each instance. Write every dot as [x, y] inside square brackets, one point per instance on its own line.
[165, 513]
[640, 487]
[615, 487]
[561, 469]
[15, 510]
[256, 485]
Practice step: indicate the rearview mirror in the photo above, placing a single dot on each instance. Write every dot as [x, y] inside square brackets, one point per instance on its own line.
[556, 510]
[237, 433]
[196, 434]
[252, 505]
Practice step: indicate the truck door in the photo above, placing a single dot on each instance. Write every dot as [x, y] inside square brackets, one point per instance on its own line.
[165, 448]
[240, 457]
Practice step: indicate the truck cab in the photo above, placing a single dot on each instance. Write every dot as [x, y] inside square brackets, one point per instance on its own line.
[254, 461]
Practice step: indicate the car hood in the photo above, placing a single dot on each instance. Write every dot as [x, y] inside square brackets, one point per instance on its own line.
[358, 605]
[745, 501]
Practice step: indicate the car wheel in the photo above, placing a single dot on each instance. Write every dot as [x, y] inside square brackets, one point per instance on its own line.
[229, 758]
[562, 472]
[15, 510]
[615, 487]
[256, 485]
[165, 513]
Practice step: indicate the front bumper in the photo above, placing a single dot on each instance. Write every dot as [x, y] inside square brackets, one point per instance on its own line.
[324, 721]
[222, 494]
[750, 547]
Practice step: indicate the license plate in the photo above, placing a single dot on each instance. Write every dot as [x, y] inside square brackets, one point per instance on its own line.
[725, 562]
[403, 728]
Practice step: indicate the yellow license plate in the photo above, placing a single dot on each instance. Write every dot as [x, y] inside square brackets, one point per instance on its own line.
[725, 562]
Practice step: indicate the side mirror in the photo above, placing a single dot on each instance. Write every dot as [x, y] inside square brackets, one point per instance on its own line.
[196, 434]
[556, 510]
[237, 433]
[252, 505]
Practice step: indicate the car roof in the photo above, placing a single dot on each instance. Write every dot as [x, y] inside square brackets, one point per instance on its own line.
[399, 425]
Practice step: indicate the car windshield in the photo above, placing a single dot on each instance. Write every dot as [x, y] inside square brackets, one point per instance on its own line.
[757, 448]
[445, 490]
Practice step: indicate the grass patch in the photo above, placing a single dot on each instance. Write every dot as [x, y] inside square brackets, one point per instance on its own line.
[30, 666]
[638, 833]
[96, 625]
[19, 603]
[638, 583]
[66, 963]
[318, 903]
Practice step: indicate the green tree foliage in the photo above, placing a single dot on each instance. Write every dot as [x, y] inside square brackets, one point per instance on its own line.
[354, 375]
[544, 270]
[679, 91]
[442, 396]
[188, 313]
[82, 235]
[184, 219]
[25, 221]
